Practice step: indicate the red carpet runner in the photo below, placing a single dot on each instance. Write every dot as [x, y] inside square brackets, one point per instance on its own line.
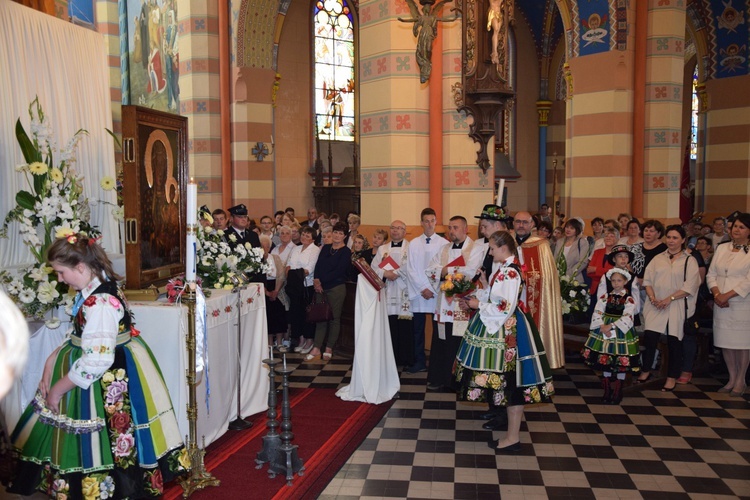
[327, 431]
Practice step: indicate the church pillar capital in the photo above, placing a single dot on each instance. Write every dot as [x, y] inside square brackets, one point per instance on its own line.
[543, 109]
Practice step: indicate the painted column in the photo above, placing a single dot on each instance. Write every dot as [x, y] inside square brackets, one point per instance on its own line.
[394, 116]
[727, 152]
[543, 109]
[664, 137]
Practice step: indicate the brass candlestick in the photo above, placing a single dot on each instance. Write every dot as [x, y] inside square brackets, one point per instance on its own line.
[198, 477]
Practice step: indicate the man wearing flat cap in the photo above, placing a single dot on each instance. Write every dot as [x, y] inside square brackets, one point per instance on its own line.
[238, 233]
[491, 220]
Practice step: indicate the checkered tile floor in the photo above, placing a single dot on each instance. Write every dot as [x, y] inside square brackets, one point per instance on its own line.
[690, 443]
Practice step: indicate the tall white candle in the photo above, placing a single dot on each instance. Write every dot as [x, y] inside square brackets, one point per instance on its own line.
[500, 190]
[192, 228]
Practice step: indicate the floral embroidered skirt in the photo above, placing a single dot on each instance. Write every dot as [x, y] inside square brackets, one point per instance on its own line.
[117, 439]
[506, 368]
[619, 354]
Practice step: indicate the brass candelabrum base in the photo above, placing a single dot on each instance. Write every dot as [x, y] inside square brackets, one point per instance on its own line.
[198, 478]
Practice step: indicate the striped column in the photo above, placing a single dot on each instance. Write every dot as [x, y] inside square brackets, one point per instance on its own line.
[253, 46]
[599, 135]
[664, 137]
[199, 95]
[108, 14]
[394, 125]
[393, 120]
[727, 147]
[466, 189]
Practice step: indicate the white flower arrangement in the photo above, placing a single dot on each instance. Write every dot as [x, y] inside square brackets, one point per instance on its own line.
[217, 262]
[574, 295]
[53, 206]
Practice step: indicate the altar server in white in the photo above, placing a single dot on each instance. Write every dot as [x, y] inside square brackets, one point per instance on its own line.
[421, 294]
[461, 256]
[390, 265]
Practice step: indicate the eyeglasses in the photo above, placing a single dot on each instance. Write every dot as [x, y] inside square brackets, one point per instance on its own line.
[522, 222]
[398, 227]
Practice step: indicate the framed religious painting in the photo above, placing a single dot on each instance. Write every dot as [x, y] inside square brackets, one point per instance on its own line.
[155, 171]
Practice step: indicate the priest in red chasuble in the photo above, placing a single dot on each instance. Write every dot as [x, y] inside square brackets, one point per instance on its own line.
[543, 287]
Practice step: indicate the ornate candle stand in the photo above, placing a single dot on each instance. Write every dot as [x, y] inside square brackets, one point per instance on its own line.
[271, 441]
[286, 460]
[198, 477]
[239, 423]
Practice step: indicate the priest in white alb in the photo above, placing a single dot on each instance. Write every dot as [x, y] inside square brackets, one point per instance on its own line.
[390, 264]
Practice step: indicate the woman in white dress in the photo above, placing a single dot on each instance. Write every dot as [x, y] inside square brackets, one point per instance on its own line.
[728, 279]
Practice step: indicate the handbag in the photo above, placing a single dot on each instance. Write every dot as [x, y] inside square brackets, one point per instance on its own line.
[319, 311]
[690, 326]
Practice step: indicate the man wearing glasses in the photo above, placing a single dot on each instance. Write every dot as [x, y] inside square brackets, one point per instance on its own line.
[543, 287]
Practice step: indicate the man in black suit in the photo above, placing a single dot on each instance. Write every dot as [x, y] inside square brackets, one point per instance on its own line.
[238, 233]
[312, 218]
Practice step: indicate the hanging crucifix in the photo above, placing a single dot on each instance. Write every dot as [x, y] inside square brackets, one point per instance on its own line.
[425, 29]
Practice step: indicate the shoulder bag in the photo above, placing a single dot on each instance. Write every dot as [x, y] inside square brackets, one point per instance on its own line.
[690, 326]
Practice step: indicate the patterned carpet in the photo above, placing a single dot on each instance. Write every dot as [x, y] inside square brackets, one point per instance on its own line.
[690, 443]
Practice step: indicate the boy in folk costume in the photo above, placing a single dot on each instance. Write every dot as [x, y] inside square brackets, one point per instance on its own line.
[450, 322]
[390, 265]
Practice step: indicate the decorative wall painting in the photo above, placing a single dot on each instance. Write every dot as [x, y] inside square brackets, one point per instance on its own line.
[153, 54]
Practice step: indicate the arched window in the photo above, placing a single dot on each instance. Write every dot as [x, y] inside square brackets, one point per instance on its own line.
[334, 70]
[695, 105]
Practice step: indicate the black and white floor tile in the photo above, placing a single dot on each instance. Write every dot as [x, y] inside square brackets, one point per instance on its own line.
[691, 443]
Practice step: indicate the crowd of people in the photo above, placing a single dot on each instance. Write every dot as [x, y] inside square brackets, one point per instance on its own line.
[495, 304]
[671, 275]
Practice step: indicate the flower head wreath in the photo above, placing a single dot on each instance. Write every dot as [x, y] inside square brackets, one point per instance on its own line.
[617, 270]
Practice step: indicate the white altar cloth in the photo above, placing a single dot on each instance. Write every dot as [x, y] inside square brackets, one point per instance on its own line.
[374, 372]
[42, 342]
[164, 327]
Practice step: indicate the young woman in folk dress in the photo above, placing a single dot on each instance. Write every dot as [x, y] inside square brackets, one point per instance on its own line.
[101, 424]
[501, 358]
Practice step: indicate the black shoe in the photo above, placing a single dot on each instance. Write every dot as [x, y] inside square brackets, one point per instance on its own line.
[415, 369]
[511, 448]
[434, 387]
[496, 424]
[488, 415]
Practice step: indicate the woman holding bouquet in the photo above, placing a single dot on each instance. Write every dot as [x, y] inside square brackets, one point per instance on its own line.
[101, 423]
[501, 358]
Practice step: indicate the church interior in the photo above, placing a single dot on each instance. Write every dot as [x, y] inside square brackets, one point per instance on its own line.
[384, 107]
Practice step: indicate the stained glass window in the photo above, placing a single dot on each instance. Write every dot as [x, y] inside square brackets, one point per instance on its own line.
[334, 70]
[695, 105]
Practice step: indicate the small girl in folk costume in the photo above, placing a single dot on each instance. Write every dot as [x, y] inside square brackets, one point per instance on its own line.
[101, 424]
[612, 345]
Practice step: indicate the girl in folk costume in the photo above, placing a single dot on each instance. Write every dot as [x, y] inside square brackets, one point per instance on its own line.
[612, 345]
[101, 424]
[501, 358]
